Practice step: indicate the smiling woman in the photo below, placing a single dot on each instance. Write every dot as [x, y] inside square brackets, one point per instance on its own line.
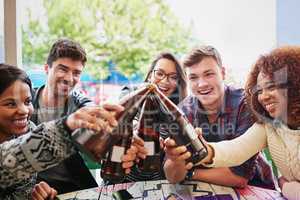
[15, 103]
[169, 76]
[15, 111]
[26, 149]
[273, 92]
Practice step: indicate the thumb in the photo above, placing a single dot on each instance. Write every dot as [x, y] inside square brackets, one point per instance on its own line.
[161, 142]
[199, 133]
[200, 136]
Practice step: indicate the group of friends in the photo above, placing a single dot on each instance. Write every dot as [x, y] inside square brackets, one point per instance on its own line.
[39, 160]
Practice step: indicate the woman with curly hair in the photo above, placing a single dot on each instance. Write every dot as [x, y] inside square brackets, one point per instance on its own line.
[273, 93]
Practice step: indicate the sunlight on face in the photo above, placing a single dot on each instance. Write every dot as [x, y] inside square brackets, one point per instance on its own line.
[164, 75]
[206, 83]
[272, 98]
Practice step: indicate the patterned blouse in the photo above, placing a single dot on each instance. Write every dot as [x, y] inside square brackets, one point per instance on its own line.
[41, 148]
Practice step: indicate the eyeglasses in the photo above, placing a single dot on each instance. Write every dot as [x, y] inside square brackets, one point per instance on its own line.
[268, 88]
[160, 75]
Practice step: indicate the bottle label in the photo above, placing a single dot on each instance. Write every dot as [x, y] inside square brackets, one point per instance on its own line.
[150, 148]
[117, 153]
[191, 131]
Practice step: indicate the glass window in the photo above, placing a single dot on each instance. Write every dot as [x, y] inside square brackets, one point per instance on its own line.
[1, 31]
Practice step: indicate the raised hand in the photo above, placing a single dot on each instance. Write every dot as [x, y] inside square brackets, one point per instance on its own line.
[98, 118]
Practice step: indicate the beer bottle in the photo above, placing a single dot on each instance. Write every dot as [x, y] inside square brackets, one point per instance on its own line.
[148, 130]
[181, 130]
[111, 167]
[96, 145]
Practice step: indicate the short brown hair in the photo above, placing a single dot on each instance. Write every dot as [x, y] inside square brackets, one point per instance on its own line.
[66, 48]
[197, 54]
[281, 60]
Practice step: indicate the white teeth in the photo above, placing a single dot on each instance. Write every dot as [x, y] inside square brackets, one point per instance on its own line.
[162, 88]
[20, 122]
[269, 106]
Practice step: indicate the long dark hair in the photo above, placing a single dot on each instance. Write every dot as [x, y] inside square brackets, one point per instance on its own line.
[9, 74]
[181, 90]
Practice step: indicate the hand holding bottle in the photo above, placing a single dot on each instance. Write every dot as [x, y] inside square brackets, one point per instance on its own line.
[141, 149]
[128, 160]
[177, 154]
[140, 146]
[116, 144]
[98, 118]
[180, 153]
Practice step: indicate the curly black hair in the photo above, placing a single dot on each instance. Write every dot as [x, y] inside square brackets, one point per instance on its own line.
[281, 64]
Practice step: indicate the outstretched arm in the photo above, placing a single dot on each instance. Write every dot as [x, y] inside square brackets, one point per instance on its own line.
[234, 152]
[50, 143]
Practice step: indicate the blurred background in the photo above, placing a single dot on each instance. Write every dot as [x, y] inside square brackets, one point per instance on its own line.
[121, 37]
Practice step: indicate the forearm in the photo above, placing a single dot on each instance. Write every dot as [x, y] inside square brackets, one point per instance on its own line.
[220, 176]
[174, 171]
[38, 150]
[235, 152]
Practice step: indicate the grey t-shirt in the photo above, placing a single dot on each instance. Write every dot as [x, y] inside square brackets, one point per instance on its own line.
[46, 113]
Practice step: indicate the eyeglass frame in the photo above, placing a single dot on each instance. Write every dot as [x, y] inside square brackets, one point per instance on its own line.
[165, 75]
[269, 88]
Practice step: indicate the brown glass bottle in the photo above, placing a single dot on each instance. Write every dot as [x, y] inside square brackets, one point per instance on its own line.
[96, 145]
[181, 130]
[149, 132]
[111, 168]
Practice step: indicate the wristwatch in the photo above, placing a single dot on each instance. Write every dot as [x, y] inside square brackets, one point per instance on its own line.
[189, 175]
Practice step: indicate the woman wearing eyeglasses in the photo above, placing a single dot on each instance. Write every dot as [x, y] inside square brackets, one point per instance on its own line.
[169, 76]
[273, 92]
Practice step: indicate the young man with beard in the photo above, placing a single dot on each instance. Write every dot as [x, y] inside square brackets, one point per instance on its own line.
[58, 98]
[221, 112]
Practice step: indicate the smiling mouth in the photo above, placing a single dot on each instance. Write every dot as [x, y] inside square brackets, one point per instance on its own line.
[20, 123]
[205, 92]
[65, 86]
[163, 89]
[270, 106]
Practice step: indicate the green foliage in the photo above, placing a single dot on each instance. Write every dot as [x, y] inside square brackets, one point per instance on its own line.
[127, 32]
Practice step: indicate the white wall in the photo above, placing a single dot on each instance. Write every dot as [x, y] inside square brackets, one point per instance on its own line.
[240, 29]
